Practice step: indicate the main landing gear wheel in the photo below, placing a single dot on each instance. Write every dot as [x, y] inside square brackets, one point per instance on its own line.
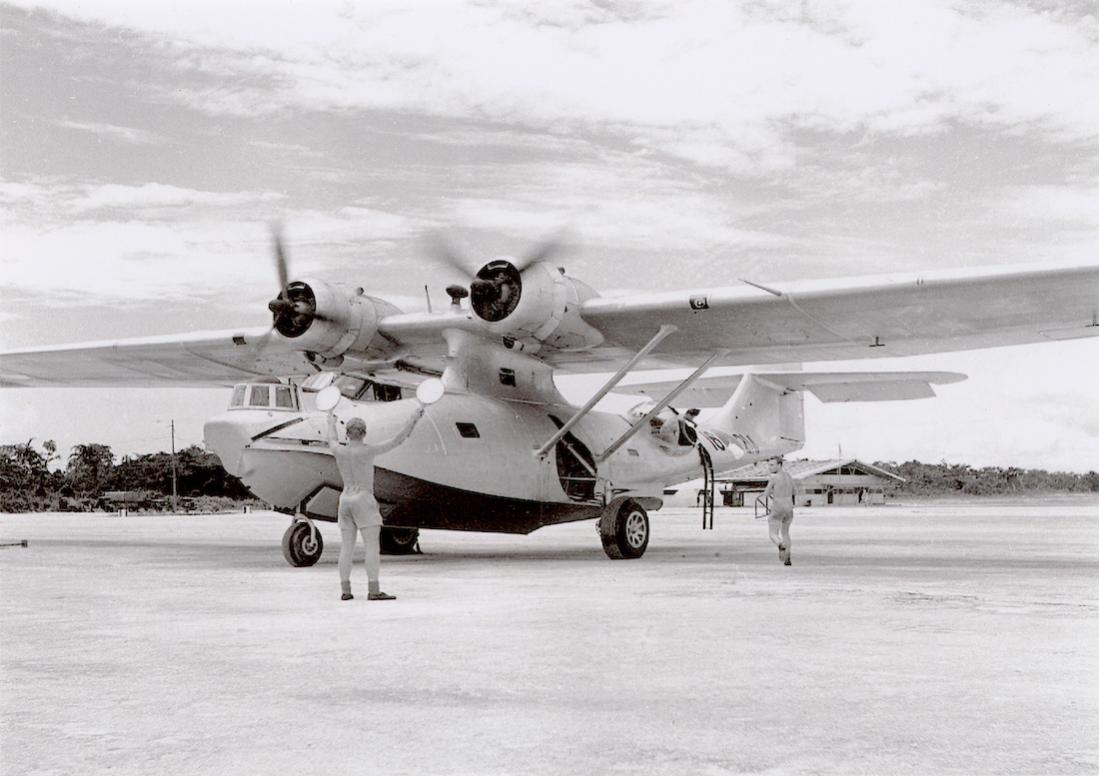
[625, 533]
[399, 541]
[302, 545]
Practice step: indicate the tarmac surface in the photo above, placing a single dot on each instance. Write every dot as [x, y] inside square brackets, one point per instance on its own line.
[939, 638]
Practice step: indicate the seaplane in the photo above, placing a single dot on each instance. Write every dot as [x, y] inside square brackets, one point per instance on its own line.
[500, 449]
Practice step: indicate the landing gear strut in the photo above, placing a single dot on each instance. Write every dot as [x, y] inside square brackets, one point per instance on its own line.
[625, 531]
[399, 541]
[302, 544]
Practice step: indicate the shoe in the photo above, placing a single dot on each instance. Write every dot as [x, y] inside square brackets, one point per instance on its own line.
[781, 552]
[787, 562]
[381, 597]
[346, 597]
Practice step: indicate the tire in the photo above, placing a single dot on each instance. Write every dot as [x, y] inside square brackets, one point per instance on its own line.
[399, 541]
[625, 533]
[298, 546]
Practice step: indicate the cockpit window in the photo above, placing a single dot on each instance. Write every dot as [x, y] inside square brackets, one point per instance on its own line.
[351, 387]
[238, 396]
[261, 396]
[284, 398]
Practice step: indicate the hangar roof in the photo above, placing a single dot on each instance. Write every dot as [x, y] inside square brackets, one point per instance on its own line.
[803, 469]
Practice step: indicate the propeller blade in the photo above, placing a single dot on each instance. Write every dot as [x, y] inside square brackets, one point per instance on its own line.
[261, 344]
[545, 250]
[280, 260]
[444, 252]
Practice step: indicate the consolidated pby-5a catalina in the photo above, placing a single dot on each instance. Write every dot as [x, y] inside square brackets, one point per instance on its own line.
[503, 450]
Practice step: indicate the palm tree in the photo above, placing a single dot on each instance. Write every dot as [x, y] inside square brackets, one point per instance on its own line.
[89, 467]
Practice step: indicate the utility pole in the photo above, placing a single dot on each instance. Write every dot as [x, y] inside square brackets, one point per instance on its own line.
[175, 497]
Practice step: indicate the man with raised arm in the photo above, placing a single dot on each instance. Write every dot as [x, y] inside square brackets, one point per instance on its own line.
[358, 512]
[781, 493]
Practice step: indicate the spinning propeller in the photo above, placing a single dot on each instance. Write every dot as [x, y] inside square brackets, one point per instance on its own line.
[495, 288]
[295, 308]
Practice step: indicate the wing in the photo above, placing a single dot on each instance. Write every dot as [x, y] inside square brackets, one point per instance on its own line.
[847, 319]
[806, 321]
[826, 386]
[213, 358]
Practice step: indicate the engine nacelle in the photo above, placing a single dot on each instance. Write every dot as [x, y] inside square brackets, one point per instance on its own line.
[331, 321]
[535, 308]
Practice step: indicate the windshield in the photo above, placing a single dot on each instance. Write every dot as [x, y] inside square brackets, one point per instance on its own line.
[351, 387]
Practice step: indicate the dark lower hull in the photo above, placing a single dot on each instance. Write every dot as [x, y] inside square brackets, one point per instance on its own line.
[416, 503]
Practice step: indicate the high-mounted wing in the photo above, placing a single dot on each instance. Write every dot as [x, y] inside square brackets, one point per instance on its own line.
[201, 359]
[825, 320]
[564, 323]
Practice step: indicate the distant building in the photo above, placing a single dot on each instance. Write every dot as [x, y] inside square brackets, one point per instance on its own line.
[820, 483]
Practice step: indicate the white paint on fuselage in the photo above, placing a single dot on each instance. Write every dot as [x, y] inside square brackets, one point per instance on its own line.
[288, 465]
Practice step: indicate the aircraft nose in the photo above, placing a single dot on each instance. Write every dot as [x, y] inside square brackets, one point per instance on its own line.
[226, 438]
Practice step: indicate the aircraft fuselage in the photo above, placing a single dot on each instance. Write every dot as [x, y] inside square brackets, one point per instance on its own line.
[469, 464]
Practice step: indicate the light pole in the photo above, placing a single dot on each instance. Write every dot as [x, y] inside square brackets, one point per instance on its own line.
[175, 495]
[175, 491]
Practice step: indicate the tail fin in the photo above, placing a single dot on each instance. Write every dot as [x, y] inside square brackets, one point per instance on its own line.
[763, 417]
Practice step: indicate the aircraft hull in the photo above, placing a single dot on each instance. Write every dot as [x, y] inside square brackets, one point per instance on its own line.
[446, 476]
[436, 479]
[287, 477]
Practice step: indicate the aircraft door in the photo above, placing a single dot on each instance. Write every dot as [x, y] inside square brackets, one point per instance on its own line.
[576, 468]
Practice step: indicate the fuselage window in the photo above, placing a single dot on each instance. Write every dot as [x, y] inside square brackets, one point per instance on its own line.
[468, 430]
[386, 392]
[238, 396]
[261, 396]
[284, 398]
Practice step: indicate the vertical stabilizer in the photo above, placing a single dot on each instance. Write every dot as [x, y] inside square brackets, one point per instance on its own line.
[768, 418]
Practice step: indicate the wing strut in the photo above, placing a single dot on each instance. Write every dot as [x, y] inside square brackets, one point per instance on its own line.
[663, 332]
[659, 406]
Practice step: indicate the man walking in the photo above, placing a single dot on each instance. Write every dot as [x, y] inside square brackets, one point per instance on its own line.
[358, 511]
[781, 493]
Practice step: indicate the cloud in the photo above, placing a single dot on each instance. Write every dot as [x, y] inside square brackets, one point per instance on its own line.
[1067, 202]
[68, 244]
[295, 149]
[159, 196]
[714, 84]
[115, 132]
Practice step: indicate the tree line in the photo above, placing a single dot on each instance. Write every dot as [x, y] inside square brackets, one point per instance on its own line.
[28, 484]
[935, 479]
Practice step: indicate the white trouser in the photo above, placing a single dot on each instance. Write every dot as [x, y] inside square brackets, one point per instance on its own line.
[779, 524]
[358, 514]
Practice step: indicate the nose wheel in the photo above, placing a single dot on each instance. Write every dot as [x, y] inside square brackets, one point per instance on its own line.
[302, 543]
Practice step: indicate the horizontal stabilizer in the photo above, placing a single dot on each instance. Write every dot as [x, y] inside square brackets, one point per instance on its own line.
[826, 386]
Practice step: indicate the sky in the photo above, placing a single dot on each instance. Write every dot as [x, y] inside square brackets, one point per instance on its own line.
[145, 149]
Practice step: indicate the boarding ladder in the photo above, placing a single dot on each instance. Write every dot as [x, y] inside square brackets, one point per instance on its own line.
[708, 488]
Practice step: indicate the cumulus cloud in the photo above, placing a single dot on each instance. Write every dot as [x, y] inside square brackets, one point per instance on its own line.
[730, 78]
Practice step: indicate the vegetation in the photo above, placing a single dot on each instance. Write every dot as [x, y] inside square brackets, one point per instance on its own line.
[91, 479]
[934, 479]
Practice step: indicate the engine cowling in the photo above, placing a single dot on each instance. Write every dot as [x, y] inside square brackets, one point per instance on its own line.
[539, 306]
[328, 320]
